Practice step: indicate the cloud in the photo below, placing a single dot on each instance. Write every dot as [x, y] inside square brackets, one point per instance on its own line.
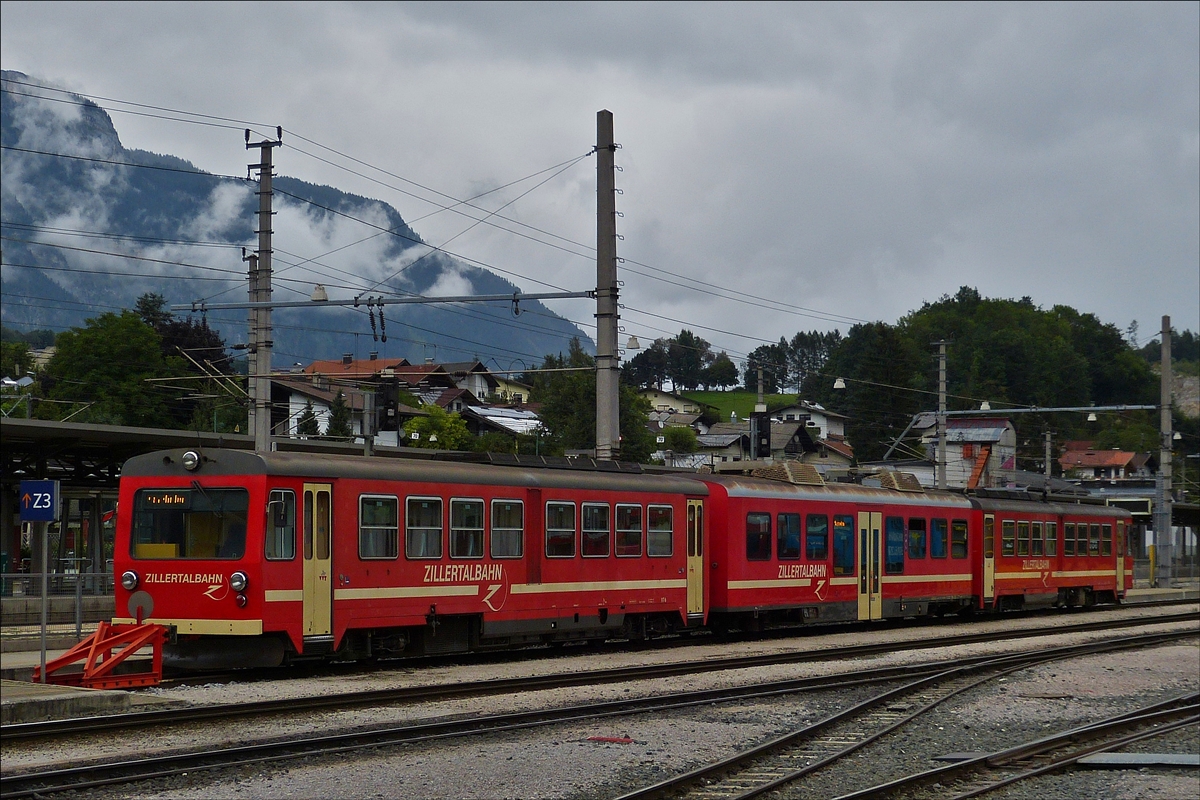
[851, 159]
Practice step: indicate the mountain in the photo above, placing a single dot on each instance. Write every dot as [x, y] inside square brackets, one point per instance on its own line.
[90, 225]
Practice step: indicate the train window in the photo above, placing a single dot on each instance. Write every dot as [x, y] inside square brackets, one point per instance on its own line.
[1094, 540]
[190, 523]
[1008, 537]
[1036, 542]
[466, 529]
[423, 535]
[560, 530]
[758, 536]
[596, 530]
[937, 538]
[916, 538]
[1106, 540]
[816, 537]
[660, 533]
[629, 530]
[989, 536]
[1051, 538]
[1121, 538]
[787, 532]
[894, 552]
[958, 538]
[508, 529]
[843, 544]
[378, 526]
[1022, 538]
[1068, 538]
[280, 544]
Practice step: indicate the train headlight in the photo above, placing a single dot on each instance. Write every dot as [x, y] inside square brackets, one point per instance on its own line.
[238, 581]
[129, 580]
[241, 601]
[191, 460]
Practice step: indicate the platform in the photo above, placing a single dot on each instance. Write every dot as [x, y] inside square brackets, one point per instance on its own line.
[18, 665]
[21, 701]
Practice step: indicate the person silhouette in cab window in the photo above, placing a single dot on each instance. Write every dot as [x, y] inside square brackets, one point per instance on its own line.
[234, 545]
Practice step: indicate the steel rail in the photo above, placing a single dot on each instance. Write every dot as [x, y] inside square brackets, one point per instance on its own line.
[1066, 760]
[35, 783]
[1184, 709]
[721, 779]
[85, 725]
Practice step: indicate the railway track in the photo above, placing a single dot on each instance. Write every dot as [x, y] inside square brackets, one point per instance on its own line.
[413, 694]
[91, 776]
[993, 771]
[786, 759]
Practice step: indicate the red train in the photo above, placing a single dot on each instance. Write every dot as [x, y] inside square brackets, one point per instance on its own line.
[253, 559]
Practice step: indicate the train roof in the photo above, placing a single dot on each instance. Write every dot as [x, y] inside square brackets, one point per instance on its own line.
[1034, 505]
[321, 466]
[765, 488]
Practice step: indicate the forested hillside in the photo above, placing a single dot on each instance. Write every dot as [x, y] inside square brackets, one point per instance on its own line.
[1008, 352]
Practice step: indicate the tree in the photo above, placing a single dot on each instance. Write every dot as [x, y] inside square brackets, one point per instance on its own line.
[883, 368]
[687, 356]
[721, 372]
[449, 429]
[37, 339]
[100, 373]
[568, 406]
[807, 354]
[340, 425]
[495, 442]
[15, 360]
[307, 425]
[679, 439]
[648, 368]
[773, 358]
[194, 349]
[152, 308]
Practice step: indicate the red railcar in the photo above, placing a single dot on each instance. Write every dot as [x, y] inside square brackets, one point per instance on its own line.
[254, 558]
[788, 552]
[814, 552]
[1066, 554]
[251, 558]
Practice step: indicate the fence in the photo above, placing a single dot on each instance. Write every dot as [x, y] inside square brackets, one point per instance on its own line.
[74, 596]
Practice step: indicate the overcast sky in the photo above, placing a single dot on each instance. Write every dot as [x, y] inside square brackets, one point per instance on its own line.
[844, 163]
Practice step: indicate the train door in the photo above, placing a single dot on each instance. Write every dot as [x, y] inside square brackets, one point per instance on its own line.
[318, 571]
[870, 598]
[695, 558]
[989, 560]
[1120, 552]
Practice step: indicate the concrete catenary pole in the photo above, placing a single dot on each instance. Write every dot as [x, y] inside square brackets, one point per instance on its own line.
[252, 340]
[608, 430]
[1163, 555]
[941, 416]
[261, 336]
[1049, 471]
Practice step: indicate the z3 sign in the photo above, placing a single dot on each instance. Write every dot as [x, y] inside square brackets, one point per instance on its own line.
[39, 501]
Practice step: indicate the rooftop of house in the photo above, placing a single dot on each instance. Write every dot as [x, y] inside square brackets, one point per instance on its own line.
[1074, 459]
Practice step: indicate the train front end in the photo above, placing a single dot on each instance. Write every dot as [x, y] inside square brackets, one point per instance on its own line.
[187, 556]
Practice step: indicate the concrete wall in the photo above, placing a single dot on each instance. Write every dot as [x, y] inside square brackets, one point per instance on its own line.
[61, 610]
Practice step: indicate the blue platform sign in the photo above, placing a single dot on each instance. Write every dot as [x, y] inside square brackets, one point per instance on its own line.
[39, 501]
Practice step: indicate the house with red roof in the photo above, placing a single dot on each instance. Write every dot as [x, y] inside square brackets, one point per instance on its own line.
[1093, 464]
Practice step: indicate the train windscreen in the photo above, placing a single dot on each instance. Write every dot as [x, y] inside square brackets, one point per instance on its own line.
[189, 523]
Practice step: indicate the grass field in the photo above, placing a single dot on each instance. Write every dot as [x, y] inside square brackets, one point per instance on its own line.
[740, 401]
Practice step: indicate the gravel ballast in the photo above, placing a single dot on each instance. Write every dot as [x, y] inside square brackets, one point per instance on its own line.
[562, 761]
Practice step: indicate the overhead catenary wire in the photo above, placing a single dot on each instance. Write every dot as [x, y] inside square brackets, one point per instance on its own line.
[772, 304]
[827, 317]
